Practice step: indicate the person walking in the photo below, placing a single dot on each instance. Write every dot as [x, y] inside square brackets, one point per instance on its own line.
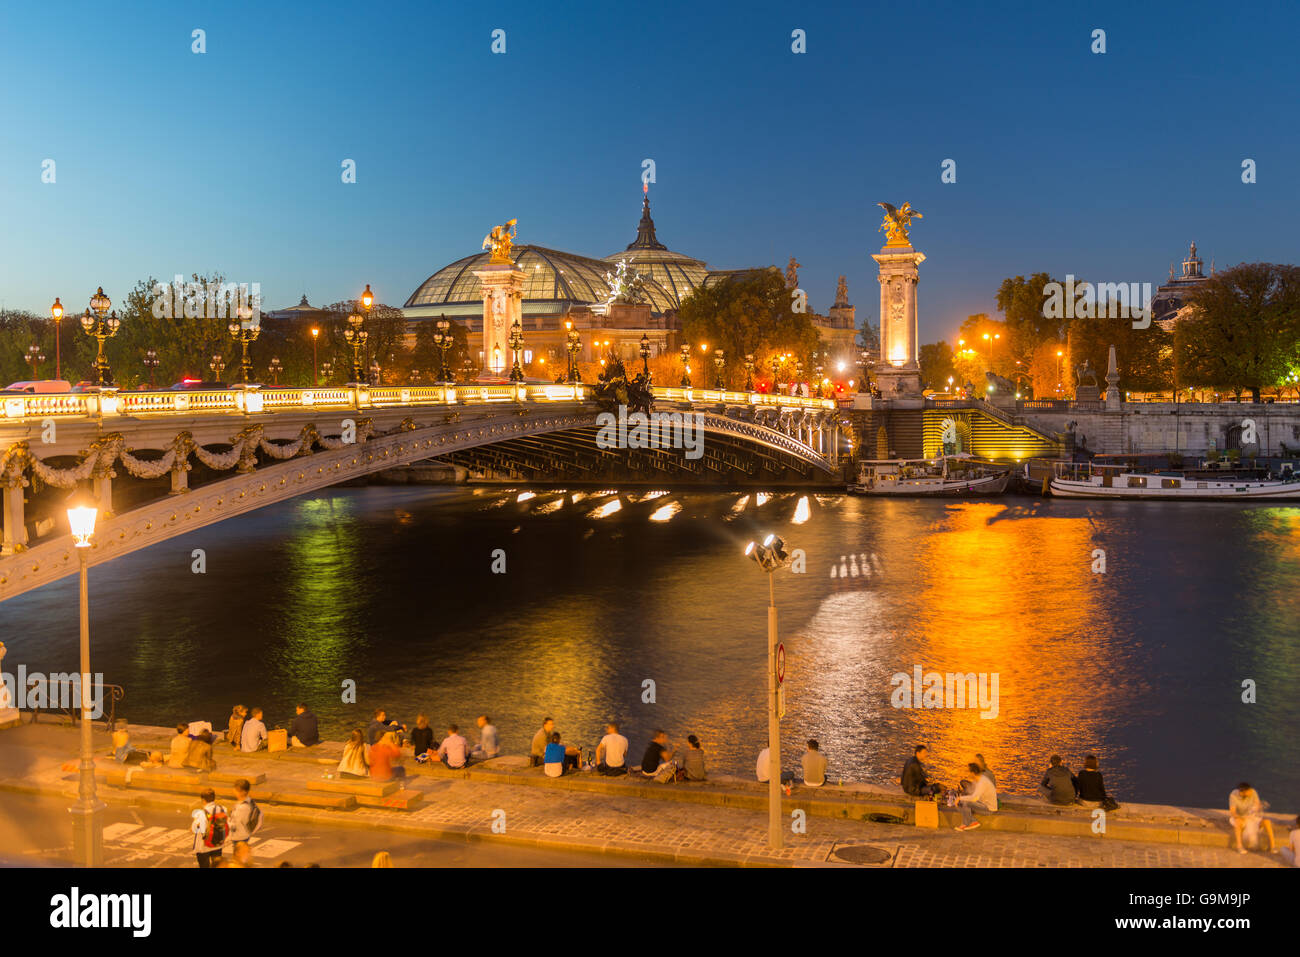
[210, 826]
[245, 817]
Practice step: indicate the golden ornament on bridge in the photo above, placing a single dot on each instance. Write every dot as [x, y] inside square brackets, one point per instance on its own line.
[896, 223]
[501, 241]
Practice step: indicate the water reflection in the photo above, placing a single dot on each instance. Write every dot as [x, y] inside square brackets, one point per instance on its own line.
[641, 595]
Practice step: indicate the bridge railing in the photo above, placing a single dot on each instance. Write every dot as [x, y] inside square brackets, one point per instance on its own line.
[253, 400]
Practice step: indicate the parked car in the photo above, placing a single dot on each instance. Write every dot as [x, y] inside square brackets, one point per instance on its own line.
[40, 386]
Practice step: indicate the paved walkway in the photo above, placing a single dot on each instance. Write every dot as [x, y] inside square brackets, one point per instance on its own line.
[33, 758]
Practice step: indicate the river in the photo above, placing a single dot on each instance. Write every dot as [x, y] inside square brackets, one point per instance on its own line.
[394, 588]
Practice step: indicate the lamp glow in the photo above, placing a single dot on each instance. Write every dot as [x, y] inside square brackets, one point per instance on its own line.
[82, 520]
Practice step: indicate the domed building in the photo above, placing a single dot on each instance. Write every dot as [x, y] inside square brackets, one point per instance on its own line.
[565, 290]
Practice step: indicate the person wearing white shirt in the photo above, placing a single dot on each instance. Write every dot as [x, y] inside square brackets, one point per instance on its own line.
[983, 796]
[611, 752]
[454, 749]
[254, 733]
[762, 769]
[207, 856]
[1291, 855]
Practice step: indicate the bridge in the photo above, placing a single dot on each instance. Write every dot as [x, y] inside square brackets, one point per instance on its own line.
[194, 458]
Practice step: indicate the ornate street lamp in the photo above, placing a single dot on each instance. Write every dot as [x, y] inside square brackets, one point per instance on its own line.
[749, 372]
[442, 339]
[375, 371]
[217, 365]
[686, 366]
[34, 357]
[776, 372]
[326, 370]
[243, 331]
[56, 313]
[574, 346]
[516, 344]
[150, 361]
[356, 337]
[415, 376]
[719, 360]
[645, 355]
[818, 370]
[274, 368]
[315, 334]
[467, 369]
[103, 326]
[88, 812]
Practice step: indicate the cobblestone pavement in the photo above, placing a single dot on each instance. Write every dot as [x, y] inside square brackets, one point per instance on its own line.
[587, 822]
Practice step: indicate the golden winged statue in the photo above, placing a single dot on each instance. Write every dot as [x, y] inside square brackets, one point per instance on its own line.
[501, 240]
[896, 223]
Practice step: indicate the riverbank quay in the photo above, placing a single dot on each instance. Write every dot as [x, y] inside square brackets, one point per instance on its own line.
[715, 823]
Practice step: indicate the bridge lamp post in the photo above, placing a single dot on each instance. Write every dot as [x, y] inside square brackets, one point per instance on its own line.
[326, 370]
[88, 812]
[645, 355]
[275, 368]
[442, 339]
[719, 360]
[574, 345]
[516, 346]
[356, 337]
[244, 332]
[103, 326]
[749, 372]
[150, 361]
[771, 556]
[367, 303]
[315, 334]
[34, 357]
[56, 313]
[686, 366]
[819, 371]
[217, 365]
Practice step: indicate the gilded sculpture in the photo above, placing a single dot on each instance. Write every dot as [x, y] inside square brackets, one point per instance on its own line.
[897, 221]
[501, 240]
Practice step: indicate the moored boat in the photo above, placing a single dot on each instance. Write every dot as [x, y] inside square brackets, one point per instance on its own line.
[1129, 482]
[926, 478]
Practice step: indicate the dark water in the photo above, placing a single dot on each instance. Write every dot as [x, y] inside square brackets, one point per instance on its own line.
[393, 588]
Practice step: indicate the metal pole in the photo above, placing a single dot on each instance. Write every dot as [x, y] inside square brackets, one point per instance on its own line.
[58, 360]
[775, 833]
[87, 820]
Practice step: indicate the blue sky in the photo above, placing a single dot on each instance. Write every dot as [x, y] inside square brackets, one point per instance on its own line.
[1067, 161]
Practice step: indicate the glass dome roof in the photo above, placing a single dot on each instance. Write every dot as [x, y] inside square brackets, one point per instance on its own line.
[550, 276]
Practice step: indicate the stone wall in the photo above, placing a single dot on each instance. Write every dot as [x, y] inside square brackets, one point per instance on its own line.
[1182, 427]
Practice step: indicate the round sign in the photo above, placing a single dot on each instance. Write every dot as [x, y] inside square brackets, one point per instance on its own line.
[780, 664]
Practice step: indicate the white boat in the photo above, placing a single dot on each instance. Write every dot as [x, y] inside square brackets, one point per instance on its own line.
[925, 478]
[1130, 482]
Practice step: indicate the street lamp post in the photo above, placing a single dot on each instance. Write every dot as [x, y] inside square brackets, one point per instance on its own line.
[56, 313]
[686, 366]
[88, 813]
[103, 326]
[645, 355]
[150, 361]
[34, 358]
[356, 337]
[516, 346]
[749, 372]
[315, 334]
[244, 332]
[367, 303]
[326, 370]
[442, 339]
[770, 556]
[217, 365]
[719, 360]
[275, 368]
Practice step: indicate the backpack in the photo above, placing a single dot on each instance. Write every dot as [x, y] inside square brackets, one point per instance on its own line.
[218, 827]
[254, 817]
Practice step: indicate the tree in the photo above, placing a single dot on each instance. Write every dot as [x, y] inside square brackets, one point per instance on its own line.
[1021, 302]
[748, 315]
[426, 356]
[1142, 354]
[1243, 329]
[936, 365]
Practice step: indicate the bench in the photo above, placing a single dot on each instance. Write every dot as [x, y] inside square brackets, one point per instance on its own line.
[403, 800]
[362, 787]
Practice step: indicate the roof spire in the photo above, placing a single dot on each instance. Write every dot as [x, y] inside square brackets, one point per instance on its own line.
[645, 230]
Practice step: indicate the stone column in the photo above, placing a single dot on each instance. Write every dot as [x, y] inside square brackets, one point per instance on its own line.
[15, 522]
[898, 371]
[503, 285]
